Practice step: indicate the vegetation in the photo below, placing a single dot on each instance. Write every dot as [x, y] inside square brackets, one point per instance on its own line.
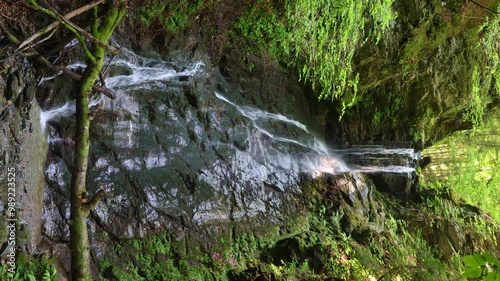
[474, 88]
[468, 162]
[171, 16]
[319, 38]
[484, 264]
[329, 240]
[30, 269]
[324, 41]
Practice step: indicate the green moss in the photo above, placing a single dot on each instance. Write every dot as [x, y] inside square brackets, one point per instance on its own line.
[173, 16]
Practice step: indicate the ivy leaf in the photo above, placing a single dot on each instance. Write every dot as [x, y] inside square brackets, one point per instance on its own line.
[492, 276]
[472, 261]
[473, 272]
[490, 259]
[480, 259]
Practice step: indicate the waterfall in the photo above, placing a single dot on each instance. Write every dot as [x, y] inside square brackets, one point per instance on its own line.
[330, 160]
[317, 161]
[180, 134]
[379, 159]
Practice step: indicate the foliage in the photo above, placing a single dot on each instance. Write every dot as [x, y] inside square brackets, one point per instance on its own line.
[482, 265]
[490, 43]
[468, 163]
[326, 34]
[389, 113]
[263, 28]
[171, 15]
[475, 110]
[30, 269]
[319, 38]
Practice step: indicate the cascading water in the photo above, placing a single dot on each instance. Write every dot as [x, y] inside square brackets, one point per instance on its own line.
[379, 159]
[67, 109]
[315, 161]
[175, 142]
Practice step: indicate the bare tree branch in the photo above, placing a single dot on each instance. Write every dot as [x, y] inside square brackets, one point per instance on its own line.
[56, 23]
[106, 91]
[486, 8]
[89, 36]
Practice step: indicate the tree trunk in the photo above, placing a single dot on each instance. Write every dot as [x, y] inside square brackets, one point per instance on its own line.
[79, 244]
[80, 205]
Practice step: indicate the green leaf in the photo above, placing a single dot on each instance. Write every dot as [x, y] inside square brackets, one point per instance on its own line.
[479, 259]
[471, 261]
[473, 272]
[31, 277]
[490, 258]
[492, 276]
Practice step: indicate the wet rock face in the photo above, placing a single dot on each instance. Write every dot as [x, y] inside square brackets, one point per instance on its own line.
[180, 148]
[23, 149]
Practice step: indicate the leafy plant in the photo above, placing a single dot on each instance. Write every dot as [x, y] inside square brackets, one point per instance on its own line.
[475, 110]
[482, 265]
[30, 269]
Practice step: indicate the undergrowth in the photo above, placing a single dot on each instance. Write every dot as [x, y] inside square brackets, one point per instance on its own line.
[29, 269]
[313, 246]
[468, 163]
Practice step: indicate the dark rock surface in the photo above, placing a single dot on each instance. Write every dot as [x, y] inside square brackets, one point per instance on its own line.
[23, 149]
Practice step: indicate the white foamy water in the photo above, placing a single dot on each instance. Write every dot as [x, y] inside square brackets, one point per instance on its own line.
[383, 169]
[65, 110]
[256, 114]
[317, 162]
[150, 74]
[143, 73]
[328, 160]
[139, 73]
[376, 150]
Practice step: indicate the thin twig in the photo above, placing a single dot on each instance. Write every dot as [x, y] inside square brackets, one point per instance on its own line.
[89, 36]
[106, 91]
[486, 8]
[51, 13]
[56, 68]
[56, 23]
[113, 57]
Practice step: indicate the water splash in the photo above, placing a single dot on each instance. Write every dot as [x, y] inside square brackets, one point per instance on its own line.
[65, 110]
